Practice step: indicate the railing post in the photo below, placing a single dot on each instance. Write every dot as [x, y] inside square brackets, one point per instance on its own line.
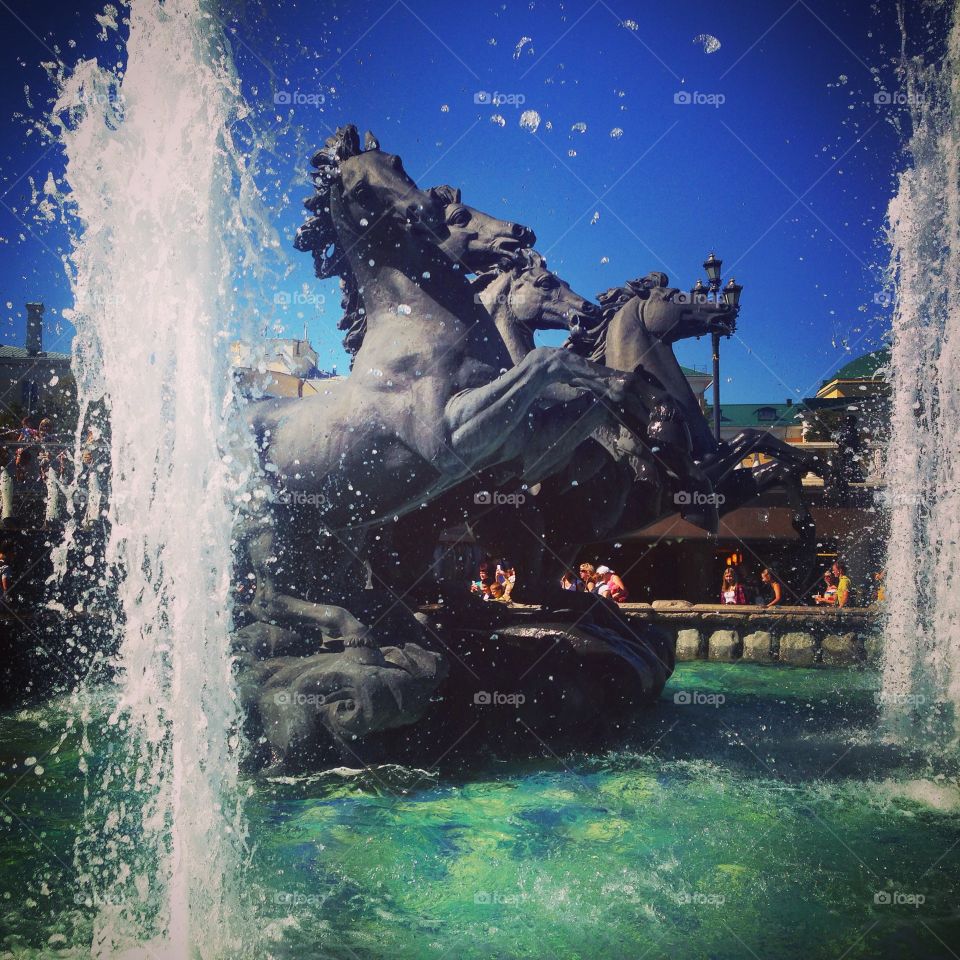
[7, 510]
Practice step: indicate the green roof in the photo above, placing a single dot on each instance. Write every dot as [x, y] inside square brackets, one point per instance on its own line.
[749, 414]
[690, 372]
[863, 368]
[20, 353]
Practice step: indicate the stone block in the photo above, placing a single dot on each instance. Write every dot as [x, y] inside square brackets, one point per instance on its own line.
[841, 649]
[758, 647]
[690, 645]
[798, 649]
[725, 645]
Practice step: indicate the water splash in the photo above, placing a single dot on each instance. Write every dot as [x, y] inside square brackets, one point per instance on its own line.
[153, 173]
[921, 682]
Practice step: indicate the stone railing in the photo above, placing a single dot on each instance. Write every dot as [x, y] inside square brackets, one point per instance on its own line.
[798, 636]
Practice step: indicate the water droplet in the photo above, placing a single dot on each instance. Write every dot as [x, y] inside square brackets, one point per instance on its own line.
[498, 120]
[595, 217]
[616, 133]
[518, 49]
[445, 108]
[579, 127]
[630, 24]
[709, 43]
[530, 120]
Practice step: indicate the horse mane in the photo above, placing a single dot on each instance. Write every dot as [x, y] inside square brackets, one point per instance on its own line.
[591, 342]
[318, 233]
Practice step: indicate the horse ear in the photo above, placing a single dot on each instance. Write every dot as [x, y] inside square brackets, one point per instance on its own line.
[345, 143]
[445, 194]
[370, 142]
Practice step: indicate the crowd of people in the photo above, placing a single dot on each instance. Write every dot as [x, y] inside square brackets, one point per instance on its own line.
[29, 450]
[600, 580]
[496, 580]
[837, 589]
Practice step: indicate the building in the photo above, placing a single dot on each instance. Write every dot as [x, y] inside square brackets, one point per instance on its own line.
[278, 368]
[33, 381]
[782, 420]
[700, 382]
[672, 559]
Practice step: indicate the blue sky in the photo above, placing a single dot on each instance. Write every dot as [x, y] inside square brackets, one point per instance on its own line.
[784, 166]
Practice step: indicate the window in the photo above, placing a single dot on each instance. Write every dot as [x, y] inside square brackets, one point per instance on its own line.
[767, 413]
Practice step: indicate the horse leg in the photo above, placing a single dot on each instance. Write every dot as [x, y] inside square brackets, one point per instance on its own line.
[271, 605]
[481, 421]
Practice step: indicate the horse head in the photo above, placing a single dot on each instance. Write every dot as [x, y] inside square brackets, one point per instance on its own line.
[475, 239]
[365, 204]
[523, 296]
[671, 314]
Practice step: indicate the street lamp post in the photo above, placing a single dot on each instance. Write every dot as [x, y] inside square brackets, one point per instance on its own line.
[712, 265]
[731, 297]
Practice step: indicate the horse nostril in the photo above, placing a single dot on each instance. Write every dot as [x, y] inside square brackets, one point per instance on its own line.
[519, 231]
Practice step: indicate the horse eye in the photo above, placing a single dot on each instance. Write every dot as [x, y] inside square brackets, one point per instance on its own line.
[460, 219]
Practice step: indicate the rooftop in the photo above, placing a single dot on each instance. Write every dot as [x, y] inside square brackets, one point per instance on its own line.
[757, 414]
[863, 368]
[8, 352]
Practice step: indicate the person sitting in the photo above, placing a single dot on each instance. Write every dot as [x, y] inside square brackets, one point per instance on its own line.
[570, 581]
[610, 585]
[827, 596]
[507, 577]
[771, 593]
[589, 577]
[731, 590]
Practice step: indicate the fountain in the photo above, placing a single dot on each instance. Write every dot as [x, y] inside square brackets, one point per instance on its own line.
[152, 172]
[359, 759]
[921, 680]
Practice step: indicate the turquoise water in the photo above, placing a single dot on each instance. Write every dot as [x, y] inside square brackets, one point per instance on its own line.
[762, 820]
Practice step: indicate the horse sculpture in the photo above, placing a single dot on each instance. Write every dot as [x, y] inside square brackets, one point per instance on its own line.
[433, 406]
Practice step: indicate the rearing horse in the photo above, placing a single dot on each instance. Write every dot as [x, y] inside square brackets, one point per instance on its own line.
[433, 398]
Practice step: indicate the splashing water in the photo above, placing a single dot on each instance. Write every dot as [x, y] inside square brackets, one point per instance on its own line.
[921, 683]
[152, 174]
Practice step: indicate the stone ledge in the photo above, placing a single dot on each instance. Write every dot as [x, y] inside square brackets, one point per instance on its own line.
[797, 636]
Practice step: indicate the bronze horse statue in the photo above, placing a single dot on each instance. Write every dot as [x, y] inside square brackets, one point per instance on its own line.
[360, 480]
